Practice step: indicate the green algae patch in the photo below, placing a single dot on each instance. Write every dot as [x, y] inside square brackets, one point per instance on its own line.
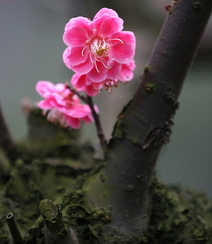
[197, 5]
[150, 87]
[52, 218]
[146, 69]
[4, 239]
[178, 215]
[85, 220]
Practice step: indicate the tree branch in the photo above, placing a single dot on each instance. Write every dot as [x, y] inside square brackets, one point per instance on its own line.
[56, 231]
[144, 124]
[6, 142]
[16, 236]
[88, 100]
[102, 140]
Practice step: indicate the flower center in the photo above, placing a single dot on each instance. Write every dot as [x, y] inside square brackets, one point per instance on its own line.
[98, 50]
[99, 47]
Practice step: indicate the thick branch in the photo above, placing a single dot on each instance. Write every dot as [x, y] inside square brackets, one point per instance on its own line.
[6, 142]
[144, 124]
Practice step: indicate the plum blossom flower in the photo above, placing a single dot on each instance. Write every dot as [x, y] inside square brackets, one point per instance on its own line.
[84, 83]
[62, 106]
[99, 51]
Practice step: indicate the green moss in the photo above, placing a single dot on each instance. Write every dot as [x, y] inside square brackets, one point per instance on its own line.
[197, 5]
[176, 215]
[150, 87]
[84, 220]
[117, 130]
[146, 69]
[4, 239]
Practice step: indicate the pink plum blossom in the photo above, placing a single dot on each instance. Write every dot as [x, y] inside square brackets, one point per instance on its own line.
[84, 83]
[98, 50]
[62, 106]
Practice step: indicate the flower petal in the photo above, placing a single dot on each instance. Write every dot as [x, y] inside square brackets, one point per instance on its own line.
[79, 111]
[90, 91]
[126, 73]
[44, 87]
[97, 86]
[76, 56]
[122, 46]
[108, 11]
[107, 26]
[78, 81]
[96, 76]
[88, 119]
[83, 67]
[77, 31]
[73, 122]
[114, 72]
[44, 105]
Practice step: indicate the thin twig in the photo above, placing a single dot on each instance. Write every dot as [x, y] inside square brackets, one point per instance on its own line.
[82, 97]
[14, 231]
[88, 100]
[6, 142]
[100, 133]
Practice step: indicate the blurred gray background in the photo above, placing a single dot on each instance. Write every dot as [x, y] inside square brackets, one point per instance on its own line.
[31, 49]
